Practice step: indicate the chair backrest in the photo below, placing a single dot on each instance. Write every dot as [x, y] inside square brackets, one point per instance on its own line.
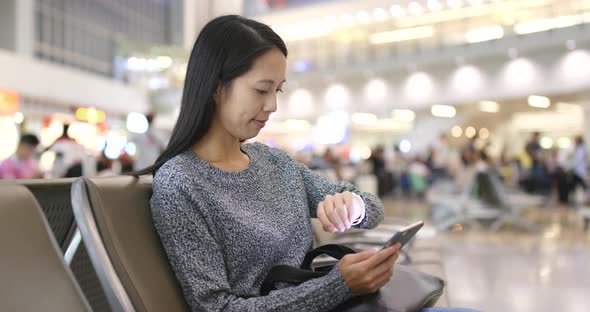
[53, 195]
[114, 218]
[490, 190]
[33, 274]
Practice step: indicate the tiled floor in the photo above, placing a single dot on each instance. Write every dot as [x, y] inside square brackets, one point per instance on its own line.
[512, 270]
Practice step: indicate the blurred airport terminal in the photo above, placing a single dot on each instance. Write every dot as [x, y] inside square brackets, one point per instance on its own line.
[469, 114]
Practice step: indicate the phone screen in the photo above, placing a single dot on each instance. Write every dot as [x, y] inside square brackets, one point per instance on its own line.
[404, 235]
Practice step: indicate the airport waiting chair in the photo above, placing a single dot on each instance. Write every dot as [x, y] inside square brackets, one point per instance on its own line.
[452, 206]
[33, 274]
[54, 198]
[114, 218]
[493, 194]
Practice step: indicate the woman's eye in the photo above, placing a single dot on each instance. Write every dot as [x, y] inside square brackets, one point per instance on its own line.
[261, 91]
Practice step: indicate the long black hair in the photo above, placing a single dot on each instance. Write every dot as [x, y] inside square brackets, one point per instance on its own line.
[225, 49]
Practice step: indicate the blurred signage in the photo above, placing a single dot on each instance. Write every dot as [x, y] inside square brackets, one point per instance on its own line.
[255, 7]
[90, 115]
[8, 102]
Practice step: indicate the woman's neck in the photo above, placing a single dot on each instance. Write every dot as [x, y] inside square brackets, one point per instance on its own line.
[219, 146]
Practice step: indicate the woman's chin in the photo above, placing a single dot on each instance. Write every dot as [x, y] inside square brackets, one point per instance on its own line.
[248, 137]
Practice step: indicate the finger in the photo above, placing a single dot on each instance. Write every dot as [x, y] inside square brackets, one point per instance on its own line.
[382, 255]
[385, 266]
[326, 223]
[342, 210]
[332, 213]
[348, 201]
[382, 281]
[361, 256]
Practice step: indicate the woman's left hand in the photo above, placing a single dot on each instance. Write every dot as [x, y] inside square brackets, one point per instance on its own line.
[337, 212]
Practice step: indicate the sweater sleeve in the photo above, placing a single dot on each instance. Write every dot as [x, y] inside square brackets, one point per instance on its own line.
[199, 264]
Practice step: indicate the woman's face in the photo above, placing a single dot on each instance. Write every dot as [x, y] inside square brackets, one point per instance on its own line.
[244, 108]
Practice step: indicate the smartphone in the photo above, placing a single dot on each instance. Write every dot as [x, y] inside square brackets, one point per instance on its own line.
[404, 235]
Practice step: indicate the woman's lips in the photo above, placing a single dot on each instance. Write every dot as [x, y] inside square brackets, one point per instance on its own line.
[260, 123]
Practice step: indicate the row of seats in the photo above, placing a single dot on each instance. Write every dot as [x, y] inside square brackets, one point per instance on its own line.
[82, 245]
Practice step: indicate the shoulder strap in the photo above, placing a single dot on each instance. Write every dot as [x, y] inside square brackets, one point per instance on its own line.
[332, 250]
[296, 276]
[287, 274]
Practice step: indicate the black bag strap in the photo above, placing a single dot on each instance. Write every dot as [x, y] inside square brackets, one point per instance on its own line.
[332, 250]
[287, 274]
[296, 276]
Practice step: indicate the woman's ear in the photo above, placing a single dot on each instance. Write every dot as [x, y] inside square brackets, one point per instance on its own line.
[218, 96]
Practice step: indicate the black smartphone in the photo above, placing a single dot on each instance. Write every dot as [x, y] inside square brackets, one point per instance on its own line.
[404, 235]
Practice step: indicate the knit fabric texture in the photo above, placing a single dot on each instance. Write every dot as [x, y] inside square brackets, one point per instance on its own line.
[223, 231]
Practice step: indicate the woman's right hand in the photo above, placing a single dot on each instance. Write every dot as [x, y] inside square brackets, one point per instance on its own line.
[366, 272]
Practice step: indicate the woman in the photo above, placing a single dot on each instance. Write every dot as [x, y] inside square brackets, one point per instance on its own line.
[227, 213]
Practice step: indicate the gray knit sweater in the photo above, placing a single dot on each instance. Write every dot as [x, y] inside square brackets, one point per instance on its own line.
[223, 231]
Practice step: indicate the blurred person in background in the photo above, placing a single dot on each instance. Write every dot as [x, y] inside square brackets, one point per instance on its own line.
[578, 166]
[68, 156]
[149, 145]
[464, 178]
[385, 179]
[533, 150]
[22, 164]
[556, 173]
[536, 179]
[439, 158]
[333, 162]
[104, 166]
[327, 164]
[467, 152]
[418, 174]
[482, 161]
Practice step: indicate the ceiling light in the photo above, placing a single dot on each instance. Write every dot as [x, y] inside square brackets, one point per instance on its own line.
[533, 26]
[331, 21]
[402, 35]
[403, 115]
[405, 146]
[364, 119]
[376, 90]
[564, 142]
[346, 20]
[539, 101]
[415, 8]
[444, 111]
[18, 117]
[363, 17]
[434, 5]
[454, 4]
[396, 11]
[484, 133]
[489, 106]
[470, 132]
[456, 131]
[380, 14]
[484, 34]
[546, 142]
